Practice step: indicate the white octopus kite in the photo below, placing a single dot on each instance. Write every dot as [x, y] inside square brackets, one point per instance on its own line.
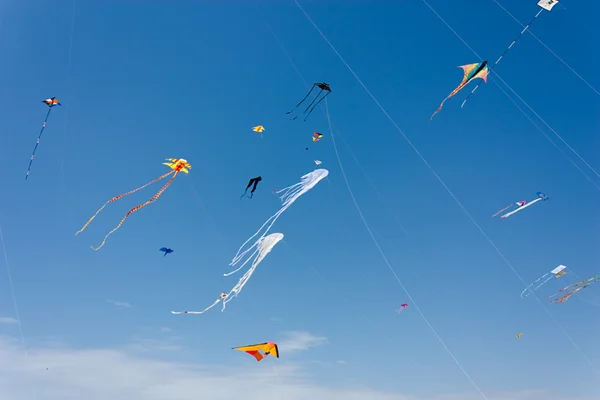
[265, 243]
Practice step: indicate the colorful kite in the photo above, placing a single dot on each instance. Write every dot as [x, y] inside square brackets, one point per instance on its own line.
[555, 273]
[540, 195]
[545, 5]
[166, 250]
[316, 137]
[259, 129]
[573, 288]
[262, 246]
[324, 88]
[402, 307]
[289, 196]
[221, 297]
[518, 204]
[177, 165]
[518, 335]
[51, 103]
[254, 350]
[471, 72]
[253, 181]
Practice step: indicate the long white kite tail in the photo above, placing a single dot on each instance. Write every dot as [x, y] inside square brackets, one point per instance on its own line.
[289, 196]
[263, 247]
[521, 208]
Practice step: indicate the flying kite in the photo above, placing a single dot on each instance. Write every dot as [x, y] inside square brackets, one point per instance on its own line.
[254, 350]
[540, 195]
[253, 181]
[258, 129]
[316, 137]
[166, 250]
[471, 72]
[555, 273]
[402, 307]
[573, 288]
[51, 103]
[221, 297]
[518, 335]
[518, 204]
[177, 165]
[289, 196]
[324, 87]
[545, 5]
[317, 162]
[262, 247]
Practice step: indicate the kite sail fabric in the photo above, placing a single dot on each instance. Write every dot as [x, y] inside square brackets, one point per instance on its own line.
[254, 350]
[259, 129]
[324, 87]
[262, 246]
[545, 5]
[540, 195]
[289, 196]
[518, 204]
[555, 273]
[471, 72]
[177, 165]
[253, 181]
[573, 288]
[166, 250]
[518, 335]
[51, 103]
[221, 297]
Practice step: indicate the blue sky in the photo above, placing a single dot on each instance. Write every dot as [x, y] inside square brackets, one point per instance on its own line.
[140, 83]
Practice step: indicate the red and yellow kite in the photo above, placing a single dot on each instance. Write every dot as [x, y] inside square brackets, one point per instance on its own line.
[254, 350]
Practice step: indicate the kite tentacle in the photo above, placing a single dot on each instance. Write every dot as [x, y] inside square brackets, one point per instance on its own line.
[313, 107]
[305, 97]
[139, 207]
[121, 196]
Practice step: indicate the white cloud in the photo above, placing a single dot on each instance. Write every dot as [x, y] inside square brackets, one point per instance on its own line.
[8, 321]
[119, 303]
[299, 341]
[100, 374]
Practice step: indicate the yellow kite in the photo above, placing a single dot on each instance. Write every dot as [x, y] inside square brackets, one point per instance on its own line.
[254, 350]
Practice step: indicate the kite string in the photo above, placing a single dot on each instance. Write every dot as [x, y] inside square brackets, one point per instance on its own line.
[511, 89]
[385, 259]
[548, 48]
[557, 147]
[498, 251]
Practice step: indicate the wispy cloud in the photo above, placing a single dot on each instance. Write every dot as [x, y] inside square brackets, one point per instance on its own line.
[119, 303]
[300, 341]
[8, 321]
[100, 374]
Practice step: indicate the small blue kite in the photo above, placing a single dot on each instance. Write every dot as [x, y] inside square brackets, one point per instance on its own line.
[166, 250]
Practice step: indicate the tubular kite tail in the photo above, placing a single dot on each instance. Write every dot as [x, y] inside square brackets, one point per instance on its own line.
[313, 107]
[198, 312]
[302, 101]
[521, 208]
[37, 143]
[502, 55]
[138, 207]
[121, 196]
